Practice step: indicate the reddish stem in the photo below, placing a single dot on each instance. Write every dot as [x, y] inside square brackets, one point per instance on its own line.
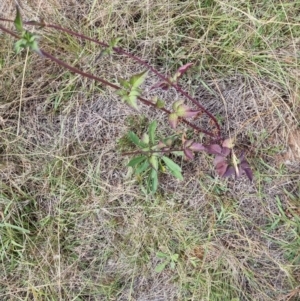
[141, 61]
[93, 77]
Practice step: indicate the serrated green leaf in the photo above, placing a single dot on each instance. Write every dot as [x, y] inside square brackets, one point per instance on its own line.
[18, 20]
[174, 168]
[122, 92]
[135, 161]
[135, 92]
[132, 102]
[160, 267]
[142, 167]
[151, 131]
[136, 140]
[124, 83]
[137, 79]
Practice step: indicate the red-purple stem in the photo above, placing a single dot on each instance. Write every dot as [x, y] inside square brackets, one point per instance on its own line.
[103, 81]
[142, 62]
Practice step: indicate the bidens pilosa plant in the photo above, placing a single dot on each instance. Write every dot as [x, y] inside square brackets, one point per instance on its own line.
[152, 154]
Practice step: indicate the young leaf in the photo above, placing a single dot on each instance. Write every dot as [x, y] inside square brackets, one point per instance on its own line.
[161, 84]
[177, 104]
[160, 104]
[135, 161]
[142, 167]
[173, 120]
[184, 68]
[137, 79]
[145, 138]
[18, 21]
[152, 129]
[132, 102]
[174, 168]
[34, 46]
[134, 92]
[172, 265]
[159, 268]
[124, 83]
[181, 71]
[153, 160]
[19, 45]
[136, 140]
[175, 257]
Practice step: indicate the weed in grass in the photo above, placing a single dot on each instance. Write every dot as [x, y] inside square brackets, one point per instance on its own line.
[226, 162]
[93, 234]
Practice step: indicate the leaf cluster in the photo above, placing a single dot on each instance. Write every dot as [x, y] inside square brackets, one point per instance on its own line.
[151, 159]
[28, 39]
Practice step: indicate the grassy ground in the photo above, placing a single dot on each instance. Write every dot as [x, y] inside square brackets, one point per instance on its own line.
[75, 225]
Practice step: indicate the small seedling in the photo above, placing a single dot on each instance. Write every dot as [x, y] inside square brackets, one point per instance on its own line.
[168, 260]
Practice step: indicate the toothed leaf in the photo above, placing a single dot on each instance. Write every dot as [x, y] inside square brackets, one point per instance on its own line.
[137, 79]
[132, 102]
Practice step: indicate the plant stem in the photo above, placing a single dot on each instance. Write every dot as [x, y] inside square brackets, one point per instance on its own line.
[103, 81]
[139, 60]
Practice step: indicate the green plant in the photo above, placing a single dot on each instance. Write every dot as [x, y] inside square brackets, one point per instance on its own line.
[167, 260]
[152, 155]
[151, 159]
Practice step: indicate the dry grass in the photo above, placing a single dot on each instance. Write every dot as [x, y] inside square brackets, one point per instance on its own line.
[75, 225]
